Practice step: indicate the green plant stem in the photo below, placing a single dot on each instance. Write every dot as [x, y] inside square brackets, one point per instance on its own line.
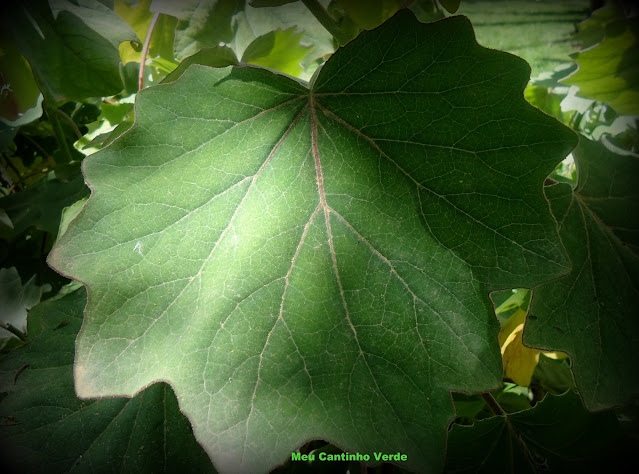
[492, 403]
[57, 130]
[71, 123]
[14, 330]
[326, 20]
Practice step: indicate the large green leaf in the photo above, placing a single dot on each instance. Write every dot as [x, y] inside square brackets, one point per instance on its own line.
[69, 58]
[315, 262]
[44, 427]
[557, 435]
[592, 313]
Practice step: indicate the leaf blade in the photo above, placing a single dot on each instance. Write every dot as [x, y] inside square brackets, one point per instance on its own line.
[280, 244]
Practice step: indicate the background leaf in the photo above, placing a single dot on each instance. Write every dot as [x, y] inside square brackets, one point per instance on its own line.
[18, 90]
[557, 435]
[44, 427]
[70, 59]
[279, 49]
[201, 23]
[609, 70]
[139, 16]
[253, 23]
[41, 205]
[591, 314]
[15, 300]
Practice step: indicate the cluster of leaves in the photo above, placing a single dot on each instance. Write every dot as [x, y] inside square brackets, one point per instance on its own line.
[318, 221]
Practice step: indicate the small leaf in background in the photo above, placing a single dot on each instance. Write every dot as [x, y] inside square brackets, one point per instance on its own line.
[513, 398]
[323, 254]
[451, 6]
[138, 16]
[69, 213]
[218, 57]
[40, 205]
[553, 374]
[15, 300]
[592, 313]
[556, 435]
[201, 23]
[20, 99]
[44, 427]
[279, 49]
[506, 302]
[609, 70]
[467, 407]
[370, 14]
[251, 23]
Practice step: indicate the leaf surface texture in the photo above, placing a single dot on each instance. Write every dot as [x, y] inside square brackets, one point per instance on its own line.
[315, 262]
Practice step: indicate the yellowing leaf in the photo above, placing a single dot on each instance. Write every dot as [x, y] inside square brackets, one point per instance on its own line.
[519, 361]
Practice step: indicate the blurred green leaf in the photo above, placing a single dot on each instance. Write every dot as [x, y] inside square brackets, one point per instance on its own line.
[98, 17]
[70, 59]
[20, 100]
[69, 213]
[609, 71]
[252, 23]
[553, 375]
[280, 50]
[41, 204]
[217, 57]
[201, 23]
[15, 300]
[370, 14]
[548, 101]
[451, 6]
[139, 17]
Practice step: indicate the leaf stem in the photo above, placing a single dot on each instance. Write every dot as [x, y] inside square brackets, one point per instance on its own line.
[14, 330]
[145, 49]
[326, 20]
[492, 403]
[71, 123]
[57, 130]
